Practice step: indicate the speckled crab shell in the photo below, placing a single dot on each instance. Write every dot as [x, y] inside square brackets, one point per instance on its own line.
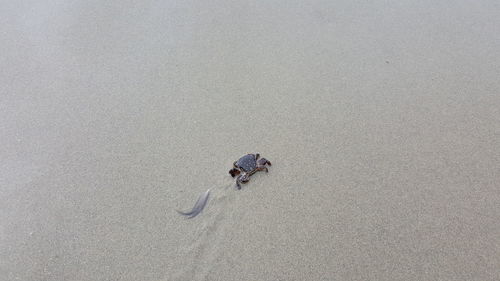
[247, 163]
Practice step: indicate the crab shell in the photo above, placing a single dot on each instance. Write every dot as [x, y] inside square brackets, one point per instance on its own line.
[247, 163]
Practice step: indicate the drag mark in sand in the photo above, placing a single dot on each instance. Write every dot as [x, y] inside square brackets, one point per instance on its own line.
[204, 249]
[198, 206]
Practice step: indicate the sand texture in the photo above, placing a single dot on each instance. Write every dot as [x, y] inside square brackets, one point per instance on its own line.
[381, 120]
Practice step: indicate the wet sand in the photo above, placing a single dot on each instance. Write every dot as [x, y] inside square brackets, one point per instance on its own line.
[382, 122]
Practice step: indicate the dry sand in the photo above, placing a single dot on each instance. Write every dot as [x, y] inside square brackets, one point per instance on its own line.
[382, 121]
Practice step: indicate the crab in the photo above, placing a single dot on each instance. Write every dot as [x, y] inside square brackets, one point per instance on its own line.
[247, 166]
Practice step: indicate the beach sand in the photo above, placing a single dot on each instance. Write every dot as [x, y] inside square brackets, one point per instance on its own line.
[382, 121]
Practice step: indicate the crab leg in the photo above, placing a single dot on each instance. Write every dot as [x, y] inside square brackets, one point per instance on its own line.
[264, 161]
[238, 182]
[262, 168]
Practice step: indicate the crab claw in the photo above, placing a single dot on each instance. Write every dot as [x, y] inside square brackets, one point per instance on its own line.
[234, 172]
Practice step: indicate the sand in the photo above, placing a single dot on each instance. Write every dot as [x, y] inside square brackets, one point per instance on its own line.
[382, 121]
